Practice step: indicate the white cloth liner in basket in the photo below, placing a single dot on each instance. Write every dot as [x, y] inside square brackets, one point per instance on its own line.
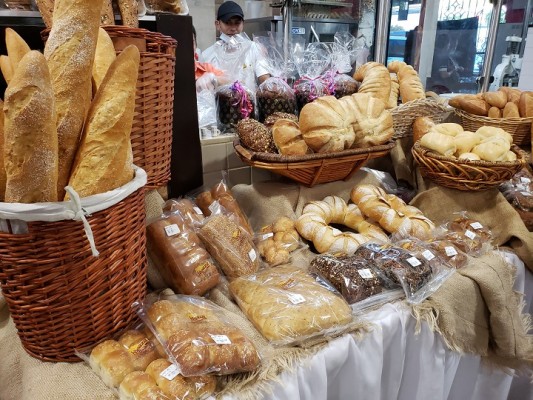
[17, 215]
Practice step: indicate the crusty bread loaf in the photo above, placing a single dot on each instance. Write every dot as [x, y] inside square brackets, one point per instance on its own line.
[30, 142]
[69, 51]
[7, 69]
[421, 126]
[46, 8]
[495, 112]
[474, 105]
[103, 58]
[104, 160]
[288, 137]
[513, 94]
[394, 91]
[16, 47]
[2, 167]
[525, 106]
[128, 12]
[375, 78]
[410, 84]
[373, 123]
[495, 99]
[510, 110]
[107, 16]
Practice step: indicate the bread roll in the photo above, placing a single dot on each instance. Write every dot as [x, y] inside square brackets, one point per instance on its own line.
[46, 8]
[513, 95]
[142, 351]
[525, 106]
[375, 78]
[16, 48]
[104, 56]
[138, 385]
[448, 128]
[69, 51]
[439, 142]
[394, 66]
[468, 156]
[421, 126]
[104, 160]
[466, 141]
[7, 69]
[492, 149]
[107, 16]
[373, 123]
[288, 138]
[111, 361]
[30, 135]
[511, 110]
[474, 106]
[496, 99]
[494, 112]
[2, 167]
[128, 12]
[491, 131]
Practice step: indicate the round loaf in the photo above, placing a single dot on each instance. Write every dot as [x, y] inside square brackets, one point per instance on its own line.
[255, 136]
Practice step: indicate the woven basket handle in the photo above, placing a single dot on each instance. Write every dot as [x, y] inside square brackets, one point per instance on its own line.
[242, 151]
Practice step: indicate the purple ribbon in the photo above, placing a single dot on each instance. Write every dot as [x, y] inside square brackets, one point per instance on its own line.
[314, 93]
[246, 106]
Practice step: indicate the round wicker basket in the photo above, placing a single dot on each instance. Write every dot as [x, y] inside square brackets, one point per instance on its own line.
[405, 114]
[519, 128]
[466, 175]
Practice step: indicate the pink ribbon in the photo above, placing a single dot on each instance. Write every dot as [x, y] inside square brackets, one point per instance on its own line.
[314, 93]
[246, 106]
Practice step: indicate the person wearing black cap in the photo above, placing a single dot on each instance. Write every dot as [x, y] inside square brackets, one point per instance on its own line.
[230, 22]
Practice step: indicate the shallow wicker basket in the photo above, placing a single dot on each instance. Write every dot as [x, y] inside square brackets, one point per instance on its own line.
[60, 296]
[466, 175]
[312, 169]
[405, 114]
[151, 133]
[519, 128]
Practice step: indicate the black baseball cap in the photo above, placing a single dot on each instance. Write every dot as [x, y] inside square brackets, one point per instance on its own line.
[229, 9]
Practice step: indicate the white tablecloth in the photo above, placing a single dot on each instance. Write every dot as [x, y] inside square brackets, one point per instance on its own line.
[392, 362]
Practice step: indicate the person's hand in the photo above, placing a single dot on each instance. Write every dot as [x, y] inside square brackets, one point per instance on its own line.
[207, 81]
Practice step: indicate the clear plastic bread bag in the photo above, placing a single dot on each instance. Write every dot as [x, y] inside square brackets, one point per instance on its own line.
[191, 213]
[467, 234]
[311, 65]
[179, 255]
[278, 242]
[274, 94]
[519, 190]
[342, 50]
[198, 335]
[289, 307]
[179, 7]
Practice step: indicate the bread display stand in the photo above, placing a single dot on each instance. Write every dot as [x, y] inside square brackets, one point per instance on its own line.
[312, 169]
[405, 114]
[466, 175]
[71, 270]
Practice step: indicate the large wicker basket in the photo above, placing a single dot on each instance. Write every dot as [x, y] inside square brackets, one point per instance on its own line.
[519, 128]
[405, 114]
[312, 169]
[60, 296]
[466, 175]
[151, 135]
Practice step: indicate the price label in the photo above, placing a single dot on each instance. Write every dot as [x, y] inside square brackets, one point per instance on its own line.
[198, 211]
[213, 207]
[415, 262]
[170, 372]
[296, 298]
[450, 251]
[428, 255]
[476, 225]
[172, 230]
[220, 339]
[470, 234]
[365, 273]
[525, 180]
[267, 235]
[252, 255]
[527, 194]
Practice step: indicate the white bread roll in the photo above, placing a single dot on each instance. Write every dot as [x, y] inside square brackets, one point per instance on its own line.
[104, 56]
[30, 142]
[69, 51]
[493, 149]
[490, 131]
[465, 142]
[448, 128]
[469, 156]
[439, 142]
[104, 160]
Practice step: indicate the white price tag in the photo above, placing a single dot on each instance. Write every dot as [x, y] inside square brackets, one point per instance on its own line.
[450, 251]
[470, 234]
[415, 262]
[365, 273]
[524, 179]
[170, 372]
[267, 235]
[220, 339]
[527, 194]
[428, 255]
[476, 225]
[252, 255]
[198, 211]
[213, 207]
[296, 298]
[172, 230]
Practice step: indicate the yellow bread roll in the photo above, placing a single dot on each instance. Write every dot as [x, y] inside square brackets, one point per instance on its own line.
[491, 131]
[104, 160]
[494, 112]
[448, 128]
[492, 149]
[439, 142]
[466, 141]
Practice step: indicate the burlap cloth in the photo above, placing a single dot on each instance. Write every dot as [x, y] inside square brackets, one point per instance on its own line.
[475, 311]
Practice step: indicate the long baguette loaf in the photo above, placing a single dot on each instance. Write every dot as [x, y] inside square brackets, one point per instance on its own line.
[46, 8]
[103, 58]
[7, 69]
[30, 133]
[104, 160]
[70, 52]
[16, 48]
[107, 16]
[2, 168]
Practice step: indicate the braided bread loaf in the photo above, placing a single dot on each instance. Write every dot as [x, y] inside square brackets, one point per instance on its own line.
[316, 216]
[391, 212]
[375, 78]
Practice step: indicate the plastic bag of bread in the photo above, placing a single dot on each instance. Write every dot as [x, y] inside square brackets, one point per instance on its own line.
[197, 335]
[519, 190]
[467, 234]
[113, 359]
[342, 57]
[449, 252]
[191, 213]
[277, 241]
[179, 255]
[288, 306]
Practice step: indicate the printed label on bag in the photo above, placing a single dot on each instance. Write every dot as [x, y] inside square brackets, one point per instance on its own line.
[365, 273]
[213, 207]
[450, 251]
[527, 194]
[172, 230]
[198, 211]
[170, 372]
[476, 225]
[252, 255]
[415, 262]
[524, 179]
[428, 255]
[140, 347]
[296, 298]
[266, 236]
[220, 339]
[470, 234]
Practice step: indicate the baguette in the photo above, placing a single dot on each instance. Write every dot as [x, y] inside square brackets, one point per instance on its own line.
[107, 16]
[103, 58]
[46, 8]
[5, 66]
[128, 12]
[104, 160]
[69, 51]
[2, 168]
[16, 48]
[30, 147]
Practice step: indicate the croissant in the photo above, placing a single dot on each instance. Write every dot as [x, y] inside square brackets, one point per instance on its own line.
[375, 79]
